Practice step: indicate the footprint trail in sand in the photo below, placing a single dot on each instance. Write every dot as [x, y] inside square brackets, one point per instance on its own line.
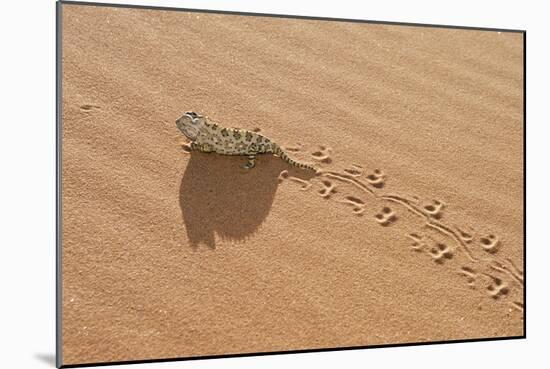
[455, 249]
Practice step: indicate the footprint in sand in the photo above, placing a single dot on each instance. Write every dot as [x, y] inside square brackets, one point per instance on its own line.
[304, 185]
[433, 209]
[440, 252]
[497, 288]
[419, 243]
[354, 171]
[328, 189]
[357, 204]
[386, 217]
[491, 243]
[471, 276]
[466, 237]
[284, 175]
[323, 154]
[377, 178]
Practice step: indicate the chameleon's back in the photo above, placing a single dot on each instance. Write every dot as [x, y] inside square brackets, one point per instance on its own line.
[234, 141]
[207, 136]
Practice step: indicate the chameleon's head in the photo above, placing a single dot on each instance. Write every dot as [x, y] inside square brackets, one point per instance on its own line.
[190, 124]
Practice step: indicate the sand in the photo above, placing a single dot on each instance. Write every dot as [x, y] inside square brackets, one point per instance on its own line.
[412, 233]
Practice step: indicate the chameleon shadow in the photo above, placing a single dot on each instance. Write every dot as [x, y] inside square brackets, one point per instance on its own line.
[218, 197]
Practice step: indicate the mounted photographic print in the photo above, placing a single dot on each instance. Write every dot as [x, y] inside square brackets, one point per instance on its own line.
[239, 184]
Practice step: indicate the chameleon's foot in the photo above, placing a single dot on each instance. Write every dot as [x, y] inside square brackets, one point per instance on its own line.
[251, 162]
[186, 147]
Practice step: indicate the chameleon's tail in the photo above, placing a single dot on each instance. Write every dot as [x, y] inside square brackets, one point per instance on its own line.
[279, 152]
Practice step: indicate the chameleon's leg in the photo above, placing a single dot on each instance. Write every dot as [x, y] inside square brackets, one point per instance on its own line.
[194, 146]
[187, 147]
[251, 162]
[207, 148]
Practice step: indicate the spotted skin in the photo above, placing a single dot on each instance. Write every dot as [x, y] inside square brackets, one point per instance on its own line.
[207, 136]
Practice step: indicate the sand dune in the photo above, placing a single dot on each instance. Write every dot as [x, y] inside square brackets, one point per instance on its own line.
[413, 232]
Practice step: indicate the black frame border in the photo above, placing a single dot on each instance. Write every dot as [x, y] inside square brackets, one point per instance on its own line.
[58, 186]
[58, 183]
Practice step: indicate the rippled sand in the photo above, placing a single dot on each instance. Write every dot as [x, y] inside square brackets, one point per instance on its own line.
[412, 232]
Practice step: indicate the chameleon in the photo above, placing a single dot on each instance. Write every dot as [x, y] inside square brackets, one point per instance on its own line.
[208, 137]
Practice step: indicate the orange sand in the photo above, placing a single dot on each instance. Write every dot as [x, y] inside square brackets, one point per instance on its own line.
[169, 254]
